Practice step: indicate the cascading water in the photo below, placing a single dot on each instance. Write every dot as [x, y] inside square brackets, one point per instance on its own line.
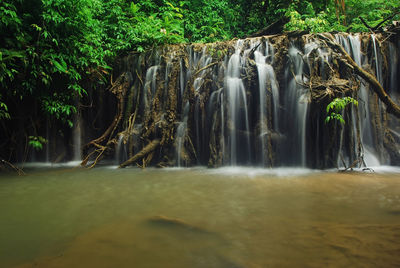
[267, 83]
[394, 62]
[297, 100]
[352, 44]
[181, 135]
[243, 102]
[47, 159]
[378, 69]
[121, 153]
[379, 130]
[237, 107]
[150, 85]
[364, 108]
[182, 79]
[77, 138]
[197, 62]
[250, 103]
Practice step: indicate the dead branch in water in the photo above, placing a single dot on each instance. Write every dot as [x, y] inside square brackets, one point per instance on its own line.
[16, 169]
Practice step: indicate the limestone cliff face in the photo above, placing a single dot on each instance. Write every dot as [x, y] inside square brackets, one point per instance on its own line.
[258, 101]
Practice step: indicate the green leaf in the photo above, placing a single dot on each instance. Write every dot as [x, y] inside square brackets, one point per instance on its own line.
[134, 8]
[37, 142]
[61, 66]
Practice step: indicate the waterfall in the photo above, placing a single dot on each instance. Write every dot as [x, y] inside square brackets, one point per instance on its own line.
[182, 80]
[257, 102]
[353, 46]
[394, 61]
[364, 108]
[121, 154]
[380, 132]
[297, 103]
[378, 69]
[181, 135]
[237, 107]
[267, 83]
[47, 159]
[77, 138]
[252, 102]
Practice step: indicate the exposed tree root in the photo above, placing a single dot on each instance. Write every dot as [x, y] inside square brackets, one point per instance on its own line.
[99, 151]
[119, 89]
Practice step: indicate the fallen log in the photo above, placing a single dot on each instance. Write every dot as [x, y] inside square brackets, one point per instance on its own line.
[145, 151]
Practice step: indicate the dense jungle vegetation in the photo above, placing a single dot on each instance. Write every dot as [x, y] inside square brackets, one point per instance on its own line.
[52, 52]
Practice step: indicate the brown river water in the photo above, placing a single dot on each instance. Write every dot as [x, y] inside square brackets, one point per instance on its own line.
[229, 217]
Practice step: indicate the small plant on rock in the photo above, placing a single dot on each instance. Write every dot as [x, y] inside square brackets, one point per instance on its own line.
[335, 108]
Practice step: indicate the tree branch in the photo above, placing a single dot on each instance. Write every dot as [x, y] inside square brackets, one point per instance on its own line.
[392, 107]
[373, 29]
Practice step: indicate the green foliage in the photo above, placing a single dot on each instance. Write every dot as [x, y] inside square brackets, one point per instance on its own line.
[206, 20]
[54, 51]
[317, 16]
[59, 108]
[309, 20]
[336, 107]
[154, 24]
[37, 142]
[51, 46]
[3, 110]
[373, 12]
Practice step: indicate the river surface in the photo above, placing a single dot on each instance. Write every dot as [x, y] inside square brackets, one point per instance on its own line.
[229, 217]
